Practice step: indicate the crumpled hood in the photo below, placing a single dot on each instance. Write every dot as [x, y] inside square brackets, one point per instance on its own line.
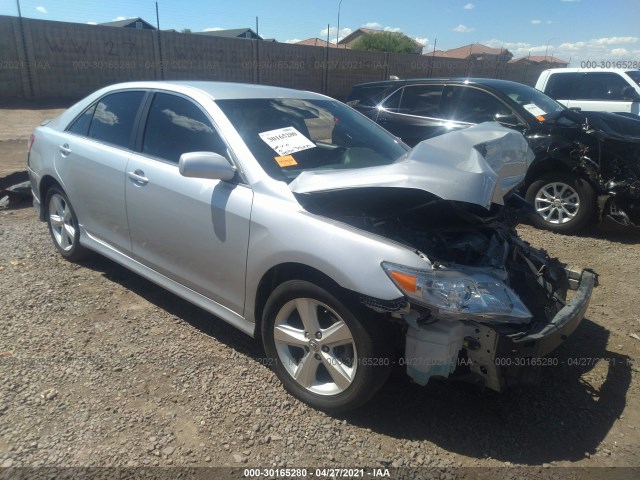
[617, 126]
[476, 165]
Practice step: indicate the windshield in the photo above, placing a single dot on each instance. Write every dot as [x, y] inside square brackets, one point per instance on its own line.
[635, 75]
[533, 101]
[289, 136]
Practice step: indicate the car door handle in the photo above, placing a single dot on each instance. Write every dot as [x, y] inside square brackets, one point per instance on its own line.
[65, 150]
[138, 177]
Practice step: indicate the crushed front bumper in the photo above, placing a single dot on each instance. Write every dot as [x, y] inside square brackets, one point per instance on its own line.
[501, 360]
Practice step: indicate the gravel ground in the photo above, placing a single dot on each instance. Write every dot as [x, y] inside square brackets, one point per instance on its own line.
[99, 367]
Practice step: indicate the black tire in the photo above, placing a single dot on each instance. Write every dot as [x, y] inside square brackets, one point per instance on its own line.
[63, 225]
[364, 359]
[563, 214]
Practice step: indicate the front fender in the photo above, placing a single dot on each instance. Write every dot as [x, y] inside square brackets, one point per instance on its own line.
[283, 233]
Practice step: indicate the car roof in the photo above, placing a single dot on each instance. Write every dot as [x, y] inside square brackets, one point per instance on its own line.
[489, 82]
[556, 71]
[220, 90]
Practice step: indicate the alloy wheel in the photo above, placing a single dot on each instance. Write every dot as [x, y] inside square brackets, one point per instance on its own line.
[315, 346]
[557, 203]
[63, 228]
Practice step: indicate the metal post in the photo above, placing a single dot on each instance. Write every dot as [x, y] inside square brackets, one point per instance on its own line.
[433, 57]
[338, 31]
[26, 54]
[159, 43]
[326, 65]
[257, 53]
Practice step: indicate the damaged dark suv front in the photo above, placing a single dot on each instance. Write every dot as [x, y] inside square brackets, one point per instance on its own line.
[590, 160]
[586, 166]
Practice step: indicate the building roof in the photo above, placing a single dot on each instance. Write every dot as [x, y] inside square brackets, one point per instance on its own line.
[230, 33]
[318, 42]
[126, 22]
[473, 49]
[540, 59]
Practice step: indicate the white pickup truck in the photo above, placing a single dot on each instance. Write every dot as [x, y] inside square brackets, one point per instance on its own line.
[593, 89]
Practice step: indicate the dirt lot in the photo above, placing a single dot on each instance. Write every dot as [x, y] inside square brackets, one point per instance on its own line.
[99, 367]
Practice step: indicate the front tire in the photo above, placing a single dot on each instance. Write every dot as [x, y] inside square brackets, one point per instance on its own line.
[63, 225]
[563, 202]
[320, 350]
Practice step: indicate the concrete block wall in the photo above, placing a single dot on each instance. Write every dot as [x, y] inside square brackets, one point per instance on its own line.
[42, 61]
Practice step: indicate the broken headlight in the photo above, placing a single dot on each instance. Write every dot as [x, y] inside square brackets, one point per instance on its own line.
[460, 294]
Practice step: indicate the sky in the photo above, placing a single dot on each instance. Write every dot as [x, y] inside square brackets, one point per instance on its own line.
[573, 30]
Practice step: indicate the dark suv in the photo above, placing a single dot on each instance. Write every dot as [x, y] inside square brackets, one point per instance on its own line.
[585, 163]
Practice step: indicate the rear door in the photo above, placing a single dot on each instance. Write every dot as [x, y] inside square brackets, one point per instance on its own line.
[194, 231]
[91, 159]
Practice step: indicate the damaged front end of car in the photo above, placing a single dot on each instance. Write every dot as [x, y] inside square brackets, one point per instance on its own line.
[606, 151]
[487, 307]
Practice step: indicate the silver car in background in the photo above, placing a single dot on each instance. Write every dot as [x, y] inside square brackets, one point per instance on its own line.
[301, 222]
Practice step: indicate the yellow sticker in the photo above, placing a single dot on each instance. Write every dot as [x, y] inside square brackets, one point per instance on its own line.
[286, 161]
[540, 118]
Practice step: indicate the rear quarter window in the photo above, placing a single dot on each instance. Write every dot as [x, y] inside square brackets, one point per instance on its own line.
[80, 126]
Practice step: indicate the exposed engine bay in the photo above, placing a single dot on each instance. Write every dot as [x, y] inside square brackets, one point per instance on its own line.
[453, 234]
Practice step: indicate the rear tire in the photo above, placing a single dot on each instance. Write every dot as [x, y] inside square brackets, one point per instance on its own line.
[63, 225]
[563, 202]
[325, 350]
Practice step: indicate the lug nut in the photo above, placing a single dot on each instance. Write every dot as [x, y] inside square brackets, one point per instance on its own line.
[317, 356]
[325, 349]
[306, 334]
[306, 348]
[318, 335]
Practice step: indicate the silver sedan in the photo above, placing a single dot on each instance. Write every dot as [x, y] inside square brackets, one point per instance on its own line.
[302, 223]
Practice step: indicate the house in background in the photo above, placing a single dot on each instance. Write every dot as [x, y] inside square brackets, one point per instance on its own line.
[545, 61]
[233, 33]
[350, 39]
[318, 42]
[137, 23]
[475, 51]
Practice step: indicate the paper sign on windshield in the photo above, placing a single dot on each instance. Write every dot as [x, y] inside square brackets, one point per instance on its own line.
[534, 109]
[286, 141]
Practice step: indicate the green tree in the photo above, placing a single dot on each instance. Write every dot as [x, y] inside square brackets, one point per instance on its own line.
[185, 30]
[385, 42]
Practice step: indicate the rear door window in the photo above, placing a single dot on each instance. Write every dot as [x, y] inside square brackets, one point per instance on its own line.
[422, 100]
[367, 96]
[114, 118]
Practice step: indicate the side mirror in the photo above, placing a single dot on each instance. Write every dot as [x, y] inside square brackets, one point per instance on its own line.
[206, 165]
[630, 93]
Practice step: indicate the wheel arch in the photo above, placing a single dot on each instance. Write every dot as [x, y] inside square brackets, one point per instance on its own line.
[552, 164]
[283, 272]
[46, 183]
